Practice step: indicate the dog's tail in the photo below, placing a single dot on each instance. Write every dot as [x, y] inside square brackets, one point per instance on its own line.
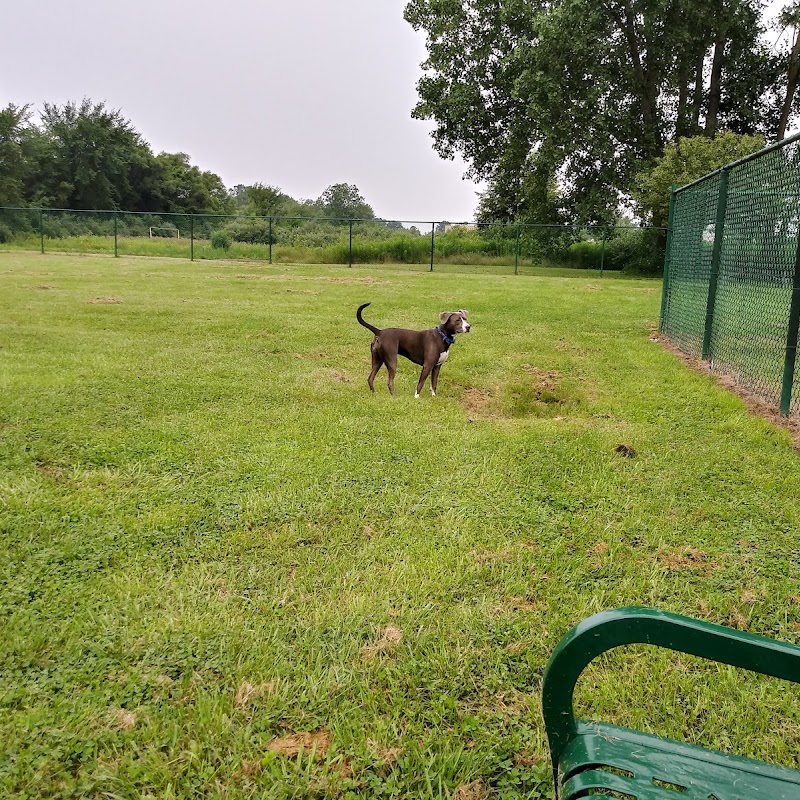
[375, 330]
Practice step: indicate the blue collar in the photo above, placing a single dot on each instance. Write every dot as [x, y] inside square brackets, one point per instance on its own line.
[448, 340]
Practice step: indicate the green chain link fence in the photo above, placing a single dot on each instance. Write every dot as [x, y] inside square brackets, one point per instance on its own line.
[732, 272]
[322, 240]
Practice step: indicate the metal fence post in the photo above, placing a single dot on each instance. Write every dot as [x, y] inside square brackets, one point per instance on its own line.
[719, 231]
[41, 229]
[116, 248]
[667, 255]
[270, 240]
[790, 357]
[516, 252]
[351, 243]
[191, 237]
[603, 253]
[433, 234]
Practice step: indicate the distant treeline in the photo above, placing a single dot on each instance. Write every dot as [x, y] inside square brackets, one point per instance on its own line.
[87, 157]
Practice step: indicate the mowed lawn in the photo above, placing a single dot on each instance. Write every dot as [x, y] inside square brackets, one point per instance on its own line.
[229, 571]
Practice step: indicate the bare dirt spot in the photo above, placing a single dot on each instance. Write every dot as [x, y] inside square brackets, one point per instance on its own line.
[124, 720]
[526, 760]
[648, 290]
[390, 638]
[517, 647]
[591, 287]
[738, 620]
[249, 692]
[755, 405]
[480, 403]
[685, 559]
[290, 746]
[476, 790]
[625, 450]
[387, 756]
[104, 301]
[598, 551]
[53, 471]
[46, 286]
[311, 355]
[749, 597]
[524, 604]
[250, 769]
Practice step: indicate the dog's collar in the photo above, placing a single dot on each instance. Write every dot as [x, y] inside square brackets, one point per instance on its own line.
[448, 340]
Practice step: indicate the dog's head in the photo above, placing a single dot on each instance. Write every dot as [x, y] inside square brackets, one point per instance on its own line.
[454, 321]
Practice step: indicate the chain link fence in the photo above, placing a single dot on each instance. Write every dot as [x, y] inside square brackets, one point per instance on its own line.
[731, 277]
[321, 240]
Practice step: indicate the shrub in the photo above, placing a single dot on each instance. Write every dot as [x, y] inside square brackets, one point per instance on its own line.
[6, 234]
[221, 240]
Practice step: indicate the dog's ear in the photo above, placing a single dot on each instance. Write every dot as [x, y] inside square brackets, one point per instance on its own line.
[444, 316]
[464, 313]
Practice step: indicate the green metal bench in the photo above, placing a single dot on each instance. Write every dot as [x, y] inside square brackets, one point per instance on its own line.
[592, 758]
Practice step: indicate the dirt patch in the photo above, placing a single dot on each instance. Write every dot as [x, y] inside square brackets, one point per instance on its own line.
[648, 290]
[46, 286]
[311, 355]
[755, 405]
[686, 559]
[625, 450]
[390, 638]
[598, 551]
[249, 692]
[290, 746]
[387, 756]
[104, 301]
[480, 404]
[477, 790]
[525, 605]
[53, 471]
[124, 720]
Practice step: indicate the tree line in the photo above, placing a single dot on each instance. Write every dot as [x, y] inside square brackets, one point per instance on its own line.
[566, 108]
[88, 156]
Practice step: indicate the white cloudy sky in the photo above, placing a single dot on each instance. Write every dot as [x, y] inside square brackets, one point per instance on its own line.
[299, 94]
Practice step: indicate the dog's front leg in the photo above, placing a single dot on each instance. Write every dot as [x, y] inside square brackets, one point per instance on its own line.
[426, 370]
[435, 379]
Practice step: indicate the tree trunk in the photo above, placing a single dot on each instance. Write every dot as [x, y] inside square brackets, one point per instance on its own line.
[681, 125]
[647, 88]
[791, 85]
[715, 89]
[697, 96]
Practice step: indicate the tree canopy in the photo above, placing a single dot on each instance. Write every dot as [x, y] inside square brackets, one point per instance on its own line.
[559, 104]
[88, 156]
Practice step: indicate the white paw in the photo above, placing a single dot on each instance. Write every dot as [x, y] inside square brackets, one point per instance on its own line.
[433, 394]
[416, 395]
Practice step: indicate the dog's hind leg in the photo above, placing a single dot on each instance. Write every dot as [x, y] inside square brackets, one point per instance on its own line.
[377, 363]
[391, 368]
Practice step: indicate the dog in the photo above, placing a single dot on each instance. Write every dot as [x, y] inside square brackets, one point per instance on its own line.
[428, 348]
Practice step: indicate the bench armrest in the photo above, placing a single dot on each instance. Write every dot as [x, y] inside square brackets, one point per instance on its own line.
[634, 625]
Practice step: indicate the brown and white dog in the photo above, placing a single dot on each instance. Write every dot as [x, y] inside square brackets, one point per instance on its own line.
[428, 348]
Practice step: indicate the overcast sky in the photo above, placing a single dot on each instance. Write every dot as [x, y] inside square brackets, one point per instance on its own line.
[298, 94]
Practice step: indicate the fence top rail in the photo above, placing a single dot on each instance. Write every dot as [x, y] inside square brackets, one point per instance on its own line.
[374, 220]
[739, 162]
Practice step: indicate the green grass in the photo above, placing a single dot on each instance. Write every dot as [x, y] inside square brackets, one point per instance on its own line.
[416, 256]
[198, 492]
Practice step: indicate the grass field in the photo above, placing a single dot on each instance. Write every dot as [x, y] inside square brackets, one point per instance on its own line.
[217, 545]
[416, 258]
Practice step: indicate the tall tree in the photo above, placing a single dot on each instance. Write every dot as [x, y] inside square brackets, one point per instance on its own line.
[537, 94]
[95, 152]
[790, 18]
[20, 148]
[344, 201]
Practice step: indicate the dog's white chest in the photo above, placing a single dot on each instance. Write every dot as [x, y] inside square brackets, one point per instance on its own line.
[443, 357]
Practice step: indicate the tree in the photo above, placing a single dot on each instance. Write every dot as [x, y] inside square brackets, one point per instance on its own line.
[557, 104]
[95, 153]
[683, 162]
[343, 201]
[790, 18]
[20, 149]
[188, 189]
